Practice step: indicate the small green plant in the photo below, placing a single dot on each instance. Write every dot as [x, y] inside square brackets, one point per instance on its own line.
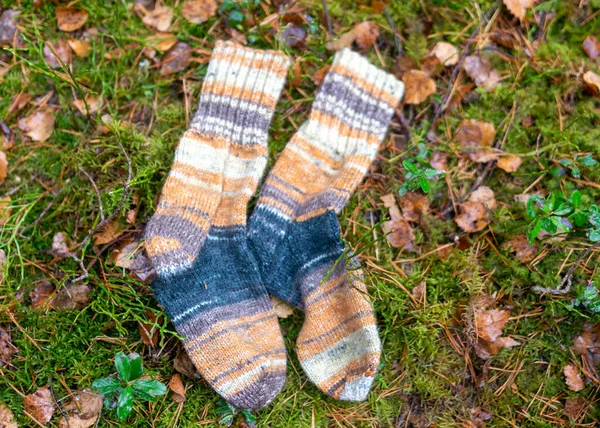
[234, 11]
[120, 393]
[227, 412]
[418, 174]
[555, 212]
[588, 297]
[573, 165]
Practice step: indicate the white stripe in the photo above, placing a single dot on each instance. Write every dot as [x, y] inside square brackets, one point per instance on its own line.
[200, 156]
[245, 168]
[193, 181]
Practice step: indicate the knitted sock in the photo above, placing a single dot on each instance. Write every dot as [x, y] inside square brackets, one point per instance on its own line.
[295, 234]
[208, 281]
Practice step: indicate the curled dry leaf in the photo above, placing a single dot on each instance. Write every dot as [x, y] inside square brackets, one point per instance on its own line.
[486, 196]
[38, 125]
[591, 82]
[94, 103]
[282, 309]
[130, 255]
[439, 160]
[81, 48]
[199, 11]
[489, 323]
[161, 41]
[520, 246]
[296, 79]
[176, 59]
[485, 349]
[177, 388]
[148, 331]
[446, 53]
[183, 364]
[40, 405]
[57, 55]
[9, 33]
[519, 7]
[160, 18]
[41, 294]
[591, 46]
[2, 266]
[83, 410]
[74, 296]
[480, 70]
[475, 133]
[3, 167]
[573, 378]
[418, 86]
[320, 74]
[132, 212]
[414, 206]
[18, 103]
[400, 234]
[364, 34]
[473, 218]
[509, 163]
[587, 344]
[7, 349]
[5, 209]
[6, 417]
[293, 35]
[70, 18]
[575, 407]
[108, 233]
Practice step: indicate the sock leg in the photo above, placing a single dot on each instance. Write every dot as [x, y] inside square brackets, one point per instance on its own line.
[294, 230]
[208, 281]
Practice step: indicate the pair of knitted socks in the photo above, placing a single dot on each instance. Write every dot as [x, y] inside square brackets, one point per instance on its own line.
[215, 271]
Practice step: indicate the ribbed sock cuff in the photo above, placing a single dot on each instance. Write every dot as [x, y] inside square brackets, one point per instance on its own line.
[240, 92]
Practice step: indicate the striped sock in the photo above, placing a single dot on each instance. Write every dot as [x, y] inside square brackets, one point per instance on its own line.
[208, 281]
[295, 234]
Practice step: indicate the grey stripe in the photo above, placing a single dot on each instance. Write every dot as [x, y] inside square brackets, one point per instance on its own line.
[187, 233]
[310, 282]
[260, 393]
[327, 199]
[338, 327]
[245, 363]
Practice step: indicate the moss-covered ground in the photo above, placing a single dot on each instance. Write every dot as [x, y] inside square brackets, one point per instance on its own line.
[430, 373]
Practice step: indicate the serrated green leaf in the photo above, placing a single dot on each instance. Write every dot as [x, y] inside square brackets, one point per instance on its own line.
[106, 385]
[123, 365]
[125, 403]
[136, 367]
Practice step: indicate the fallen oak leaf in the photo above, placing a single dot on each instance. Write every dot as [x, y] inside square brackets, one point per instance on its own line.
[573, 377]
[6, 417]
[477, 137]
[160, 18]
[398, 230]
[519, 7]
[519, 244]
[94, 103]
[108, 233]
[161, 41]
[418, 87]
[18, 103]
[293, 35]
[473, 218]
[364, 34]
[414, 206]
[38, 125]
[486, 196]
[177, 389]
[480, 70]
[83, 410]
[70, 18]
[509, 163]
[75, 296]
[57, 55]
[199, 11]
[81, 48]
[41, 295]
[446, 53]
[176, 59]
[40, 405]
[489, 323]
[183, 364]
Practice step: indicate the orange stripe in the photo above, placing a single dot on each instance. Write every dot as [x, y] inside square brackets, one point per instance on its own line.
[365, 85]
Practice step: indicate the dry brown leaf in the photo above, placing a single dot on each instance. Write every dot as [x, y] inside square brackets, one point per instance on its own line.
[519, 7]
[418, 86]
[509, 163]
[59, 244]
[446, 53]
[591, 82]
[366, 34]
[419, 292]
[177, 388]
[72, 297]
[398, 230]
[108, 233]
[7, 349]
[573, 378]
[132, 212]
[480, 70]
[9, 32]
[319, 76]
[281, 309]
[40, 405]
[575, 407]
[5, 209]
[161, 41]
[130, 255]
[81, 48]
[18, 103]
[489, 323]
[296, 79]
[439, 160]
[591, 46]
[160, 18]
[149, 331]
[473, 218]
[41, 294]
[292, 35]
[2, 265]
[83, 410]
[414, 206]
[485, 349]
[520, 245]
[183, 364]
[7, 417]
[475, 133]
[199, 11]
[57, 55]
[486, 196]
[38, 125]
[70, 18]
[94, 103]
[587, 344]
[3, 167]
[176, 59]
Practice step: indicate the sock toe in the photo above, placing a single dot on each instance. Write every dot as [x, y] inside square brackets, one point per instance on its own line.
[357, 389]
[260, 393]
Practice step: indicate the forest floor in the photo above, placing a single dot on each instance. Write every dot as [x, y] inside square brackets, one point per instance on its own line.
[484, 321]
